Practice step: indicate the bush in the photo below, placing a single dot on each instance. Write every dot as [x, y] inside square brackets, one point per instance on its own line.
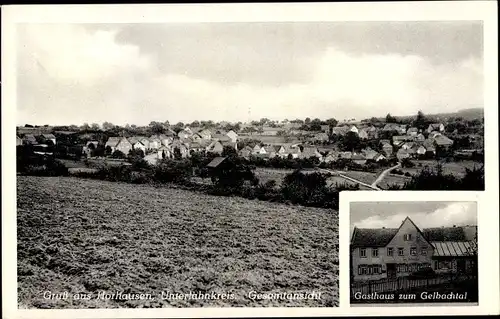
[172, 171]
[407, 163]
[118, 154]
[308, 190]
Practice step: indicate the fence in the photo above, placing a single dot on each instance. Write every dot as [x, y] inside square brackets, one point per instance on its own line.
[406, 283]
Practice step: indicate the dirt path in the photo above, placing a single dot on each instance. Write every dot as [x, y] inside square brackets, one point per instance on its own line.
[383, 174]
[352, 179]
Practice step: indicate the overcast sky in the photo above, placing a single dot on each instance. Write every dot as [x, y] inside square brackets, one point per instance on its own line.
[137, 73]
[423, 214]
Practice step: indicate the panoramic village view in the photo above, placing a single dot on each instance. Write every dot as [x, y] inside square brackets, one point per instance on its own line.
[190, 165]
[420, 258]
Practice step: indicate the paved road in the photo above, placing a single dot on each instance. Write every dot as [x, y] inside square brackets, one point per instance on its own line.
[383, 174]
[338, 173]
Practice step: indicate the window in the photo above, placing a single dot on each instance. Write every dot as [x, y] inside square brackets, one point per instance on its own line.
[407, 237]
[362, 270]
[413, 251]
[375, 252]
[390, 251]
[423, 252]
[401, 251]
[362, 252]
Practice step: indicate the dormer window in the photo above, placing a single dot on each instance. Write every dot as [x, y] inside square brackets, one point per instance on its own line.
[413, 251]
[407, 237]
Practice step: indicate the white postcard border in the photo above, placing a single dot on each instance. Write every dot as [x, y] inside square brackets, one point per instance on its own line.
[415, 11]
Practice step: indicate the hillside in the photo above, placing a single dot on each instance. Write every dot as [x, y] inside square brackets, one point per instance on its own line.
[467, 114]
[86, 236]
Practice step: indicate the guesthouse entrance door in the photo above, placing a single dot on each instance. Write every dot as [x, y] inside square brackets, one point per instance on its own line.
[391, 271]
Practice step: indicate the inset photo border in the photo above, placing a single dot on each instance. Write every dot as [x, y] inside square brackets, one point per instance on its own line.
[416, 249]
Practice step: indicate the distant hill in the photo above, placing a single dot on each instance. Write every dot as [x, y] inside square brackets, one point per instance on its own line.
[467, 114]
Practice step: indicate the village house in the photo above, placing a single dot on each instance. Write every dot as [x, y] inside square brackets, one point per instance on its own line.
[232, 135]
[402, 154]
[49, 137]
[397, 252]
[309, 152]
[358, 159]
[257, 149]
[325, 129]
[30, 139]
[289, 149]
[246, 152]
[181, 147]
[412, 131]
[420, 150]
[420, 137]
[185, 133]
[340, 130]
[164, 152]
[271, 151]
[345, 155]
[321, 137]
[206, 134]
[331, 157]
[363, 134]
[145, 142]
[434, 134]
[407, 145]
[154, 143]
[354, 129]
[215, 147]
[439, 127]
[372, 155]
[269, 131]
[199, 145]
[121, 144]
[429, 146]
[387, 149]
[443, 141]
[139, 146]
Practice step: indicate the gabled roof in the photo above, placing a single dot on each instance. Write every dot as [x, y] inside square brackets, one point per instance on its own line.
[443, 140]
[269, 149]
[358, 157]
[372, 237]
[446, 234]
[113, 141]
[134, 139]
[435, 125]
[381, 237]
[48, 135]
[216, 162]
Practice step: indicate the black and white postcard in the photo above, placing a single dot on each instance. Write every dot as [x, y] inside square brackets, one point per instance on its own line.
[410, 252]
[179, 157]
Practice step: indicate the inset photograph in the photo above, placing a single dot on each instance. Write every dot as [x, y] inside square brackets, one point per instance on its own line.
[413, 252]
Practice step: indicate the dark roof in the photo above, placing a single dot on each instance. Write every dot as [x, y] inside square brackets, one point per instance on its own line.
[445, 234]
[372, 237]
[380, 237]
[216, 162]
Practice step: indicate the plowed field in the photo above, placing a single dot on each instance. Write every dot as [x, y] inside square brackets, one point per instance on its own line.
[86, 237]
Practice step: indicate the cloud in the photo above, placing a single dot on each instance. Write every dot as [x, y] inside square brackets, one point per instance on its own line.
[69, 74]
[459, 214]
